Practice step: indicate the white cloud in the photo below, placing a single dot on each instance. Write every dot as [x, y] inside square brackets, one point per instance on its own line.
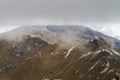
[109, 29]
[7, 28]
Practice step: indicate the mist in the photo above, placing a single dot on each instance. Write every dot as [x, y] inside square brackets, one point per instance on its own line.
[100, 15]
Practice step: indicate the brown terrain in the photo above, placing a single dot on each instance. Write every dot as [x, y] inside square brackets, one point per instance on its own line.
[44, 55]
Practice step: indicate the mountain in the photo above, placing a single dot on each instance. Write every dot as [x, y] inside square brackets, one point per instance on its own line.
[58, 52]
[58, 34]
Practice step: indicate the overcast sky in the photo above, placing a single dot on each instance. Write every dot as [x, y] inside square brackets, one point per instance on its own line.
[93, 13]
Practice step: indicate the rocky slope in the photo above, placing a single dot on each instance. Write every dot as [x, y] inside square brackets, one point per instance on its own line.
[38, 57]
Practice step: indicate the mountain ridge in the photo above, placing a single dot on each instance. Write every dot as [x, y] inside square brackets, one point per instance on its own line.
[71, 32]
[63, 55]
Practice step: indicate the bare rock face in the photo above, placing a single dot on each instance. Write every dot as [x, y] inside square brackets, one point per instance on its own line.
[97, 43]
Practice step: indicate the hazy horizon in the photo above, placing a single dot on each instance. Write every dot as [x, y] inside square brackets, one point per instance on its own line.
[100, 15]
